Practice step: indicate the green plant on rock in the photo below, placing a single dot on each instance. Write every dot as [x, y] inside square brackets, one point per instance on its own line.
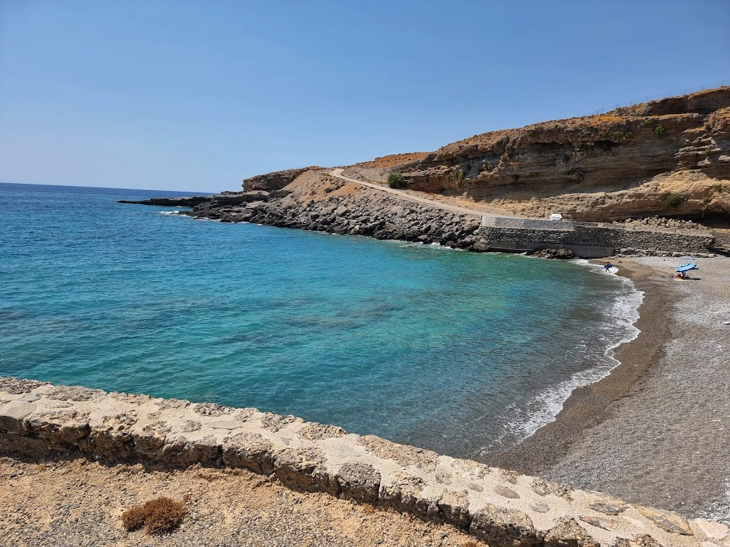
[647, 123]
[457, 176]
[396, 180]
[616, 136]
[659, 131]
[675, 200]
[707, 151]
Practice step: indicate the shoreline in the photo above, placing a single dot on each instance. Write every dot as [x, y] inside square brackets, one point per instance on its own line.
[650, 431]
[588, 406]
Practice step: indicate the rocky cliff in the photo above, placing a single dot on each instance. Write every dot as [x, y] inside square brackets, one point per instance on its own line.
[669, 157]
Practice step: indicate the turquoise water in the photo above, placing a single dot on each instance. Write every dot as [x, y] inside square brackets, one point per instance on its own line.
[447, 350]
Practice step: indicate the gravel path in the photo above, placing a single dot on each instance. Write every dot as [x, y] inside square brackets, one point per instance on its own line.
[78, 503]
[433, 203]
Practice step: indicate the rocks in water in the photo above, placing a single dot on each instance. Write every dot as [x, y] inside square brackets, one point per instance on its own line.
[217, 200]
[187, 201]
[553, 253]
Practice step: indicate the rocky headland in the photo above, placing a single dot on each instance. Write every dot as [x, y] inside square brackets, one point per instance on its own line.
[649, 179]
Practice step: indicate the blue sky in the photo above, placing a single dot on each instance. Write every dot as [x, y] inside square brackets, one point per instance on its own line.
[196, 95]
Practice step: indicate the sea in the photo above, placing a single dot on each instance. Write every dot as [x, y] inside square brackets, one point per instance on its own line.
[463, 353]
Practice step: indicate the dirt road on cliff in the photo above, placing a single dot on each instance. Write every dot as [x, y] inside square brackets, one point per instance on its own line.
[406, 195]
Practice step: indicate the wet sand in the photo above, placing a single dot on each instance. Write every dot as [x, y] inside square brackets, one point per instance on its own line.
[656, 431]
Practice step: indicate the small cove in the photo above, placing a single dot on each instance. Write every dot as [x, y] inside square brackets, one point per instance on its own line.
[457, 352]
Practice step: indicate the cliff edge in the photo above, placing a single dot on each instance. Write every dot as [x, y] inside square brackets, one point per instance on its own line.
[669, 157]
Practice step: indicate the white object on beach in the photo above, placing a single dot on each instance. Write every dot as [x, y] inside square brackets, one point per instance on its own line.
[726, 322]
[556, 216]
[613, 270]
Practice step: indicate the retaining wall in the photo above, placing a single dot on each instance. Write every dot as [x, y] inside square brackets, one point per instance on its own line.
[501, 507]
[591, 241]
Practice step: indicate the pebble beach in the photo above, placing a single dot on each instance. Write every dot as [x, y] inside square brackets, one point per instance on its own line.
[656, 430]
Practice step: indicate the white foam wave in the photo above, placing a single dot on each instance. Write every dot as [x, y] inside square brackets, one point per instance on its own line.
[440, 247]
[523, 420]
[720, 510]
[169, 212]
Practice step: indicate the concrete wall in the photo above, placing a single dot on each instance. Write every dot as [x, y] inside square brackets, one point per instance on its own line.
[40, 420]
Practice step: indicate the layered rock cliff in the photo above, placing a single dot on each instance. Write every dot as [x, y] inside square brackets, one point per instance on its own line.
[669, 157]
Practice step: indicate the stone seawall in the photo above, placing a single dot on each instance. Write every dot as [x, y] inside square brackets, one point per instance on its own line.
[501, 507]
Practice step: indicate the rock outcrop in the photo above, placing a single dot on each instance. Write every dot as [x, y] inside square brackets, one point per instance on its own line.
[185, 201]
[217, 200]
[273, 181]
[40, 420]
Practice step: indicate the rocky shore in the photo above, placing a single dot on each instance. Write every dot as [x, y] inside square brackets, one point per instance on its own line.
[319, 201]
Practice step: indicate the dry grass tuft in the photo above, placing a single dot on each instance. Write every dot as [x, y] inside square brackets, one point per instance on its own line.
[470, 544]
[158, 516]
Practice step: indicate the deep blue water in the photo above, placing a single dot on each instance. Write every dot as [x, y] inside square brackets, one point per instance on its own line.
[454, 351]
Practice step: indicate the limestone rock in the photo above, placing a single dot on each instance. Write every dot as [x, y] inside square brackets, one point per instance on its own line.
[250, 451]
[303, 469]
[670, 522]
[643, 540]
[568, 533]
[455, 507]
[506, 492]
[607, 505]
[500, 526]
[713, 530]
[359, 481]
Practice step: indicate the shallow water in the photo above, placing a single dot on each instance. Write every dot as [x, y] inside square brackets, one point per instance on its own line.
[458, 352]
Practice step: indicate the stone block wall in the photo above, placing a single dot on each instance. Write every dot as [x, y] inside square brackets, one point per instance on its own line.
[598, 238]
[501, 507]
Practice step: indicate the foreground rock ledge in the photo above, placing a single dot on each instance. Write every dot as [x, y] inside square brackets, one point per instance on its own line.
[39, 419]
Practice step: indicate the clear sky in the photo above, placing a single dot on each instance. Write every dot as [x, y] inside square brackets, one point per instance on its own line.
[196, 95]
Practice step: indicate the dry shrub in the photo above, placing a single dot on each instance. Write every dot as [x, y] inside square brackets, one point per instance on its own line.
[158, 516]
[470, 544]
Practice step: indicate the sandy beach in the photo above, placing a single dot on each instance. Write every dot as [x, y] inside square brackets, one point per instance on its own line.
[656, 430]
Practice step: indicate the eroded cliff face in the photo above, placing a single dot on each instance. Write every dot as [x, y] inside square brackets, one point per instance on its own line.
[669, 157]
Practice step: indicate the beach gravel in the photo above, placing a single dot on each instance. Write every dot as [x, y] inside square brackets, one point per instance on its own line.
[657, 431]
